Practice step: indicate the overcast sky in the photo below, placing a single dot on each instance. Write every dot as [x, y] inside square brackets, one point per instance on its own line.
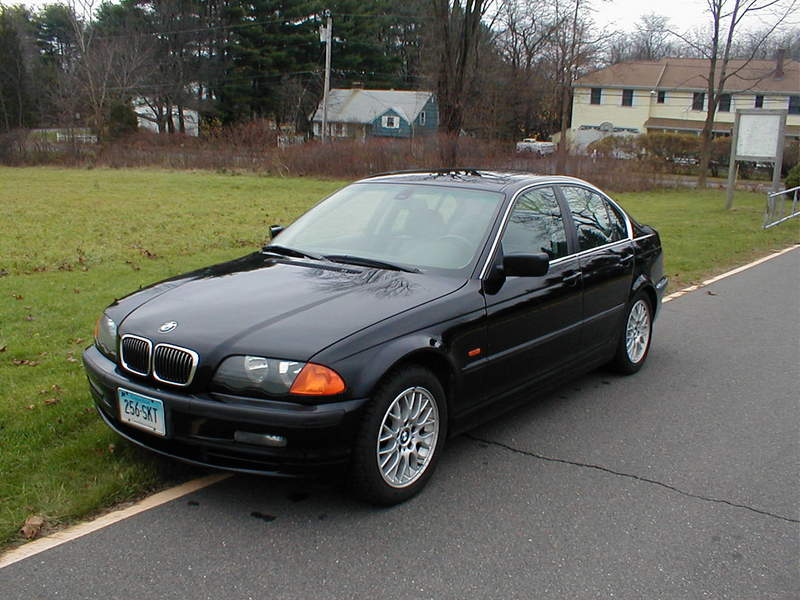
[623, 14]
[615, 14]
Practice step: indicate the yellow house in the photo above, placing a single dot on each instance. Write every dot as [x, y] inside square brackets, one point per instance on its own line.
[671, 95]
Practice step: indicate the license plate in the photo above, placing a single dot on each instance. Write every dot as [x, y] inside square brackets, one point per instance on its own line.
[142, 411]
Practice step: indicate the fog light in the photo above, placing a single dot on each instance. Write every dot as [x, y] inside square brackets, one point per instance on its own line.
[260, 439]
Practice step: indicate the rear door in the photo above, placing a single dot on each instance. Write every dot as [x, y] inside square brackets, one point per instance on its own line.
[606, 256]
[533, 322]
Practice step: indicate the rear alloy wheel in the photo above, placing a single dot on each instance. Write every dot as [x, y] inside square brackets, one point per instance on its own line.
[634, 343]
[401, 437]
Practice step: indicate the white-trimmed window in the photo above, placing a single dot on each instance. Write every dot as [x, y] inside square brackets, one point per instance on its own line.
[340, 129]
[390, 122]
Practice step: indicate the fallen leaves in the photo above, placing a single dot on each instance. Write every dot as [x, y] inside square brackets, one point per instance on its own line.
[24, 362]
[54, 392]
[144, 251]
[3, 272]
[33, 526]
[30, 318]
[18, 296]
[3, 348]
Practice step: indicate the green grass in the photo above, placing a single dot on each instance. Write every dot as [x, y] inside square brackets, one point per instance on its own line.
[701, 238]
[73, 240]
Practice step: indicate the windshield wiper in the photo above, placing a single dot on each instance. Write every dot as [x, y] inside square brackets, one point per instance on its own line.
[286, 251]
[369, 262]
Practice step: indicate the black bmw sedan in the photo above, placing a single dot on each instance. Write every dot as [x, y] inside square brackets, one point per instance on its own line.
[389, 316]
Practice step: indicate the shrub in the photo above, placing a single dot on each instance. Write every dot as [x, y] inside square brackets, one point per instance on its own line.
[791, 156]
[793, 178]
[121, 120]
[670, 147]
[616, 146]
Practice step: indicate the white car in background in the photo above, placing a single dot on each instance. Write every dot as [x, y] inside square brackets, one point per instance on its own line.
[536, 147]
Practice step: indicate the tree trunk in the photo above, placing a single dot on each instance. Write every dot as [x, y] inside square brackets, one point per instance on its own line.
[170, 121]
[563, 142]
[181, 120]
[455, 54]
[4, 114]
[706, 138]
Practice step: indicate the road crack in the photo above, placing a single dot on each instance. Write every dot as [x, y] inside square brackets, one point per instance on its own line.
[630, 476]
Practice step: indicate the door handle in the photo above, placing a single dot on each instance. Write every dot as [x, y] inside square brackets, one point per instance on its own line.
[571, 279]
[626, 259]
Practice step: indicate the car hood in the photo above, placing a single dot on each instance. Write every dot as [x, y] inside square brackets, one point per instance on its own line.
[279, 308]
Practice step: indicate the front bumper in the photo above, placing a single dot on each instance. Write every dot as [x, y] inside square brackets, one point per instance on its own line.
[200, 428]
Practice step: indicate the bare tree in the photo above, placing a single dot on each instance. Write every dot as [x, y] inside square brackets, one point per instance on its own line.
[727, 18]
[102, 69]
[457, 31]
[574, 48]
[651, 38]
[525, 28]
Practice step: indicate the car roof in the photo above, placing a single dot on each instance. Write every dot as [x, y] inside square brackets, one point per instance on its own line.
[495, 181]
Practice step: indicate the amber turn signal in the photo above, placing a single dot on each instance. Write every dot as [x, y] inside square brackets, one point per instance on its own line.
[316, 380]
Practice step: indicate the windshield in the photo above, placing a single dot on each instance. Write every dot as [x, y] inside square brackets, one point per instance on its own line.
[415, 225]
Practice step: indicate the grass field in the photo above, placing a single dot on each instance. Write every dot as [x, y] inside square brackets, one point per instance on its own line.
[73, 240]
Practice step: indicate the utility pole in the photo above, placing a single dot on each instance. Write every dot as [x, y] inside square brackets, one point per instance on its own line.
[325, 35]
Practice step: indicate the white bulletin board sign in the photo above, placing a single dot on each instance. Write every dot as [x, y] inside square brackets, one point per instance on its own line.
[758, 135]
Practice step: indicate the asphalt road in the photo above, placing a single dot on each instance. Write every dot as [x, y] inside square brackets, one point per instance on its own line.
[680, 482]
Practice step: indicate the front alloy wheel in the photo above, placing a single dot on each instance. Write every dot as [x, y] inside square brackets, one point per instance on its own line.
[407, 437]
[401, 437]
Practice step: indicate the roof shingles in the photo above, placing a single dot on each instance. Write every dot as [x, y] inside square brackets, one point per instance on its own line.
[364, 106]
[692, 73]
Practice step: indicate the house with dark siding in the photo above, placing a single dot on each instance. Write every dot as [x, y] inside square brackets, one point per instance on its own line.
[359, 113]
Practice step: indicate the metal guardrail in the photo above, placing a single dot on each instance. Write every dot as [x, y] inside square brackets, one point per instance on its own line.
[782, 206]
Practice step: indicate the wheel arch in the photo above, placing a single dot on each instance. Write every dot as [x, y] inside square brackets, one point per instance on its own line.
[435, 362]
[424, 350]
[644, 285]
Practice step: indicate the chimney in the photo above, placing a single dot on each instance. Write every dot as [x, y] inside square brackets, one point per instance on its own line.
[779, 56]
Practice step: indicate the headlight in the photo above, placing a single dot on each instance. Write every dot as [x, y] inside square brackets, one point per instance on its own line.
[105, 336]
[260, 375]
[241, 374]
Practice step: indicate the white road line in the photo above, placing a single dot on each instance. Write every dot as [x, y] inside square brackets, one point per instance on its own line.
[72, 533]
[58, 538]
[735, 271]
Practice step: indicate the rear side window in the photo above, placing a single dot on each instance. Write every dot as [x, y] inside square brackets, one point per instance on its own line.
[597, 221]
[536, 225]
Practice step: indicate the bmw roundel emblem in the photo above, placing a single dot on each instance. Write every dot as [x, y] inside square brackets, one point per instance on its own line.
[168, 326]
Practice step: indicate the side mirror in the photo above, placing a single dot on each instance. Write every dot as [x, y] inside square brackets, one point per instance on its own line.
[275, 230]
[526, 265]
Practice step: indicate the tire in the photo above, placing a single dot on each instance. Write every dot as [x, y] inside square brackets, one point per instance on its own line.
[401, 437]
[635, 337]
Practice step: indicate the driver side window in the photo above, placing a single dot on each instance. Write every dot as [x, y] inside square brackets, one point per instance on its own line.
[536, 225]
